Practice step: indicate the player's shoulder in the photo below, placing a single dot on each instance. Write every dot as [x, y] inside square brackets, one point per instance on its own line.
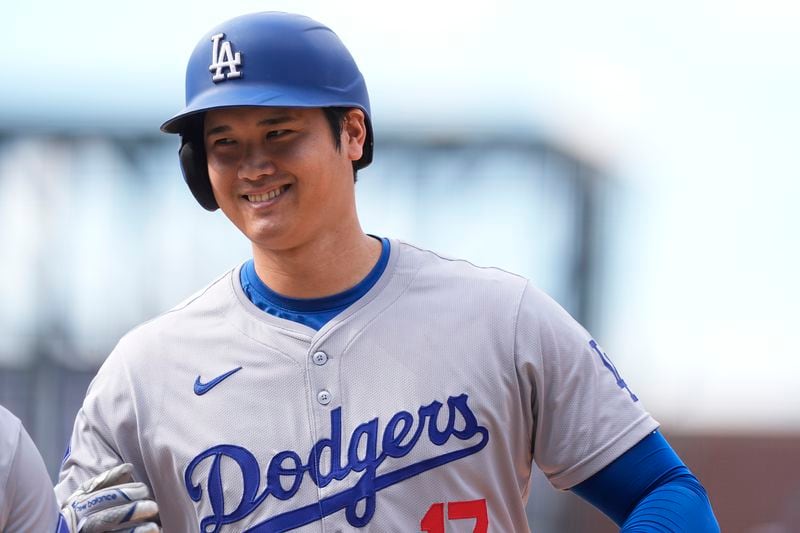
[9, 423]
[443, 276]
[196, 313]
[490, 282]
[433, 263]
[7, 418]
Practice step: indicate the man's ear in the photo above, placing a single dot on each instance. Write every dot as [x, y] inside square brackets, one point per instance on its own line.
[192, 155]
[354, 134]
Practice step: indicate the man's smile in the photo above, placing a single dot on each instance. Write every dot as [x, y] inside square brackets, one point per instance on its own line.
[267, 196]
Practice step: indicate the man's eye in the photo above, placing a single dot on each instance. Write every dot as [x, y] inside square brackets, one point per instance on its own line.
[277, 133]
[224, 142]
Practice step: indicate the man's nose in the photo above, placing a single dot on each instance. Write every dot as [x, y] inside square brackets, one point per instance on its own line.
[256, 163]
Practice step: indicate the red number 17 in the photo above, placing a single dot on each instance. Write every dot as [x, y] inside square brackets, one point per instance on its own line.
[433, 521]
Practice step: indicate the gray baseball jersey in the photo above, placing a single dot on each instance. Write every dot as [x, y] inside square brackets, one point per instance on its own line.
[27, 501]
[419, 408]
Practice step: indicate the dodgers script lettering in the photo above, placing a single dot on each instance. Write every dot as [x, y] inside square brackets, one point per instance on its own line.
[362, 455]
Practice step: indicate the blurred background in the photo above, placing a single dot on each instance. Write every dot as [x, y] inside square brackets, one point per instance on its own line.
[637, 161]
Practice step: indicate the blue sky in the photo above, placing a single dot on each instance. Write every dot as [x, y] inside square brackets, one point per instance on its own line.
[692, 105]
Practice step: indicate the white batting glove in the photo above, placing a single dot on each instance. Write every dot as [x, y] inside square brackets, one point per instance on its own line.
[111, 501]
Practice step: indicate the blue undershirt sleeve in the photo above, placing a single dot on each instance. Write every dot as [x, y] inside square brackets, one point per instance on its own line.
[648, 488]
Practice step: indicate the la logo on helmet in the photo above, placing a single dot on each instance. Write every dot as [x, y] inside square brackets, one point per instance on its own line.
[223, 57]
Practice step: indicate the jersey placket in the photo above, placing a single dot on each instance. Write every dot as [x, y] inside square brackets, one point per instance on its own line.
[323, 365]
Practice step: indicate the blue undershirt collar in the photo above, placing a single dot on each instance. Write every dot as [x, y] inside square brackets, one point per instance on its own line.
[313, 312]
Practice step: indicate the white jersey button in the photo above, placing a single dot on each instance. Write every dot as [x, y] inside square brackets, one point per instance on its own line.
[320, 358]
[324, 397]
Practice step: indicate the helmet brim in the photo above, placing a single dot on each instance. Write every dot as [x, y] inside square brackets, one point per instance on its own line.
[274, 96]
[252, 96]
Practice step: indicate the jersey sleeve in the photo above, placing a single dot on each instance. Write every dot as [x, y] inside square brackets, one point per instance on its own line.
[27, 499]
[105, 431]
[584, 415]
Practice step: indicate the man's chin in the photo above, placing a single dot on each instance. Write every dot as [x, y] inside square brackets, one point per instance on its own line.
[272, 239]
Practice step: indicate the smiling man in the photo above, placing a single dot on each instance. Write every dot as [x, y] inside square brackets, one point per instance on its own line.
[339, 381]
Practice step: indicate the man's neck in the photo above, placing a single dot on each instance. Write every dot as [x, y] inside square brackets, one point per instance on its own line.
[319, 268]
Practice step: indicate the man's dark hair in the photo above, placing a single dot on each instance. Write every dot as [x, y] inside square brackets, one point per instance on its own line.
[336, 116]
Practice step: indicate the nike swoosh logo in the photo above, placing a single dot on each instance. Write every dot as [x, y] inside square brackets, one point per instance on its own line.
[201, 388]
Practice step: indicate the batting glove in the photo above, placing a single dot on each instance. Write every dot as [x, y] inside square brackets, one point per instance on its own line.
[111, 501]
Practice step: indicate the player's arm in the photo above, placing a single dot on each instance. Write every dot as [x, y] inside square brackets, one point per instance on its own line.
[96, 489]
[586, 421]
[648, 488]
[110, 500]
[28, 491]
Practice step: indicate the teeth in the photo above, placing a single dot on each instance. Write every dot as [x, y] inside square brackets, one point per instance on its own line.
[266, 196]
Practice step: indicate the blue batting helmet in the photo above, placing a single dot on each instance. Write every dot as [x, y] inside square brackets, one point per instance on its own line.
[268, 59]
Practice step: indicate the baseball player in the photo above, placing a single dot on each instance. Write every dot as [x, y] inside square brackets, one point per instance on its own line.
[339, 381]
[27, 502]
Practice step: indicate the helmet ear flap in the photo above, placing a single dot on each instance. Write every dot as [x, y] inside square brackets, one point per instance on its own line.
[195, 172]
